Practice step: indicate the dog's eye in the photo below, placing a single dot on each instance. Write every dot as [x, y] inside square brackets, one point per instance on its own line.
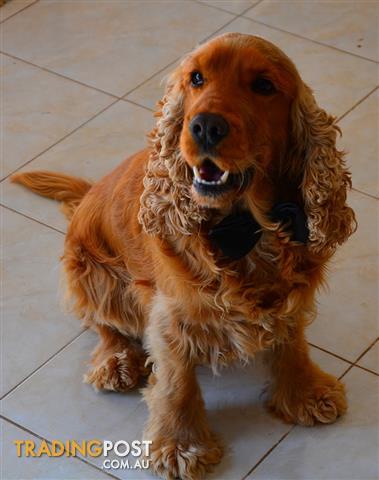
[196, 79]
[263, 86]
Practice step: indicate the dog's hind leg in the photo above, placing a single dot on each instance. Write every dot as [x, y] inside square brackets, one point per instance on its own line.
[100, 292]
[118, 361]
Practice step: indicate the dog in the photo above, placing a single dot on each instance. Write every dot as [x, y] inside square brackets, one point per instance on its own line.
[209, 245]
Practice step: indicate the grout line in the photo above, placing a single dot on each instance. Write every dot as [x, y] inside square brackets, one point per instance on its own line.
[311, 40]
[358, 358]
[358, 103]
[81, 459]
[181, 56]
[104, 92]
[44, 363]
[218, 30]
[331, 353]
[151, 110]
[365, 193]
[116, 99]
[61, 139]
[33, 219]
[220, 9]
[228, 11]
[351, 365]
[365, 351]
[251, 7]
[241, 15]
[268, 452]
[346, 371]
[10, 55]
[367, 370]
[73, 131]
[151, 77]
[122, 97]
[18, 11]
[200, 42]
[227, 23]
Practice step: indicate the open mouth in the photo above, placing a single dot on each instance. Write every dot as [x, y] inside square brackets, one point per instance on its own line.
[209, 179]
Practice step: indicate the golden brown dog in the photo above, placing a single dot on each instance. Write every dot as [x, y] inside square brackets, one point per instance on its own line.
[238, 132]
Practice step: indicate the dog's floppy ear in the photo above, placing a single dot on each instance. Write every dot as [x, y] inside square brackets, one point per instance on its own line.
[324, 179]
[166, 206]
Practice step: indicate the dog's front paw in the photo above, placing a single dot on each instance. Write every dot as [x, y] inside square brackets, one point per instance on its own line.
[119, 372]
[172, 459]
[321, 401]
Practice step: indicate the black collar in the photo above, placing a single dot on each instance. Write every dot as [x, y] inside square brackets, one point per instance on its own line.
[237, 234]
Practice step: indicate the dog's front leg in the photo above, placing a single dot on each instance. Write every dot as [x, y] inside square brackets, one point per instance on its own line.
[182, 444]
[302, 392]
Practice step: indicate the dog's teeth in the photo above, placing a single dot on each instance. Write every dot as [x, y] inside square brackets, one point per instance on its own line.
[198, 179]
[224, 177]
[196, 173]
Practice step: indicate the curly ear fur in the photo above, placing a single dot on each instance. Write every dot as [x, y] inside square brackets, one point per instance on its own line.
[325, 179]
[166, 207]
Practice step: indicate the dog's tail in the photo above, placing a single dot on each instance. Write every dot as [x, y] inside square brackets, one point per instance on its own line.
[64, 188]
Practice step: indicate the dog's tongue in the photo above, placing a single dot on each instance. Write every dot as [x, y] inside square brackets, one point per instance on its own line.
[210, 172]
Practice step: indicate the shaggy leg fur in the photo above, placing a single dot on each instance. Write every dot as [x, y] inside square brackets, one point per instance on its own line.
[182, 443]
[302, 392]
[99, 288]
[118, 362]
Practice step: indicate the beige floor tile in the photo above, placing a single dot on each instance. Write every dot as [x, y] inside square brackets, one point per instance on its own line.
[38, 109]
[351, 26]
[233, 6]
[34, 327]
[127, 43]
[360, 140]
[56, 404]
[152, 91]
[371, 359]
[91, 152]
[347, 321]
[29, 468]
[12, 7]
[237, 413]
[328, 363]
[346, 450]
[339, 80]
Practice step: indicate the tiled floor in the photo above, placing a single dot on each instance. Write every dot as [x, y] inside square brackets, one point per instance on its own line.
[79, 81]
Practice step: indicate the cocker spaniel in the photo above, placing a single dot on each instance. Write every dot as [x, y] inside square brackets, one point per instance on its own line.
[209, 245]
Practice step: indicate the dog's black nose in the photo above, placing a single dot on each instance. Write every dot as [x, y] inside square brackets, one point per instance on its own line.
[208, 129]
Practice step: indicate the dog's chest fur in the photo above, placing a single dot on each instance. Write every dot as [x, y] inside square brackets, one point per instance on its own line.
[231, 321]
[228, 340]
[225, 314]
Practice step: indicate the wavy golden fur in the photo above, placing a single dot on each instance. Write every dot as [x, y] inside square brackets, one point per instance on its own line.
[141, 269]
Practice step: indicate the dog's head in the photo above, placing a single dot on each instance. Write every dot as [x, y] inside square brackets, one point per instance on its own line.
[238, 127]
[237, 94]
